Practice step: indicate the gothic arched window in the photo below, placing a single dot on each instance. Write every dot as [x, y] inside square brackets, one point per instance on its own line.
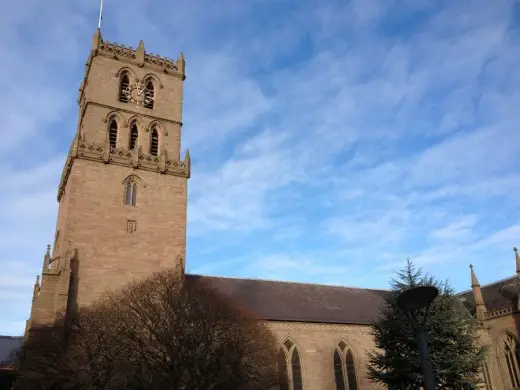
[339, 375]
[487, 378]
[130, 196]
[344, 368]
[283, 372]
[511, 359]
[289, 367]
[123, 85]
[134, 135]
[112, 135]
[149, 87]
[154, 144]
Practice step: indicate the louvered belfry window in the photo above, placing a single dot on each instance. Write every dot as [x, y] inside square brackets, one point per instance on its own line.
[150, 103]
[134, 135]
[154, 145]
[112, 135]
[123, 85]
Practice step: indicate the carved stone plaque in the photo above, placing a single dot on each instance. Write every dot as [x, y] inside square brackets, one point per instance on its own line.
[131, 226]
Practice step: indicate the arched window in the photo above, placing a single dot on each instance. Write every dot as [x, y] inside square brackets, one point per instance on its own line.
[290, 375]
[113, 133]
[511, 359]
[134, 134]
[154, 144]
[130, 196]
[123, 85]
[486, 376]
[338, 371]
[344, 368]
[283, 372]
[149, 103]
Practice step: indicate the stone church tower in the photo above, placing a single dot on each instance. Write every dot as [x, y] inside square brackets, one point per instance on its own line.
[123, 191]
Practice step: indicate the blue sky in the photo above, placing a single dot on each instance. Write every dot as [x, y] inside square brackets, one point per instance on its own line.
[330, 140]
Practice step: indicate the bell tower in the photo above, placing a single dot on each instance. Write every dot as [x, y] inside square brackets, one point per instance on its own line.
[123, 191]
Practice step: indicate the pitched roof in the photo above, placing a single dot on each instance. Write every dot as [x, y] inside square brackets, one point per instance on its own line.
[502, 294]
[287, 301]
[8, 345]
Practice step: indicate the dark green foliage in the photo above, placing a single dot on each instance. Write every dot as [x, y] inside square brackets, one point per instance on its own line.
[452, 333]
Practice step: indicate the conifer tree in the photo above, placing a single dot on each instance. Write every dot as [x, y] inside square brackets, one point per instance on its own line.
[455, 352]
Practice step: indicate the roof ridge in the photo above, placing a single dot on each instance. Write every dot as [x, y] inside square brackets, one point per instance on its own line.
[488, 284]
[292, 282]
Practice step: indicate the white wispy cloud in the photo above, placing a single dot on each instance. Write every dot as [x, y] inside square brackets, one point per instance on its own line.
[352, 136]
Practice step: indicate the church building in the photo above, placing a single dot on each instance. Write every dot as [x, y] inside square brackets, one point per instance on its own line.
[122, 215]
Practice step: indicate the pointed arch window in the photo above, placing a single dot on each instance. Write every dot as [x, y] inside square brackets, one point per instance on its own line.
[130, 196]
[344, 368]
[283, 372]
[150, 103]
[486, 377]
[154, 144]
[113, 133]
[339, 376]
[123, 86]
[134, 135]
[289, 367]
[511, 352]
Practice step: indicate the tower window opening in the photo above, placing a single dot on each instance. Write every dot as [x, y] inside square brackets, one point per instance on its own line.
[134, 194]
[151, 94]
[123, 86]
[154, 145]
[134, 135]
[130, 193]
[113, 133]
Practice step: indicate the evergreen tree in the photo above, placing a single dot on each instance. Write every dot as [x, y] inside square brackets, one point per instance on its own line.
[455, 352]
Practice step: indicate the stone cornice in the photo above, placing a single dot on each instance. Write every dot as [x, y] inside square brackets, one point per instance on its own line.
[122, 157]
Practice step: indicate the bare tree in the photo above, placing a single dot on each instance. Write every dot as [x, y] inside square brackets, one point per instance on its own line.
[160, 333]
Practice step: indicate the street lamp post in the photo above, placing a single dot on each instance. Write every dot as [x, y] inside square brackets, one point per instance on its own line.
[410, 301]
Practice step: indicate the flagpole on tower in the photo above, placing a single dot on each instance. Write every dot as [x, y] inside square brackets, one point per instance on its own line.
[100, 14]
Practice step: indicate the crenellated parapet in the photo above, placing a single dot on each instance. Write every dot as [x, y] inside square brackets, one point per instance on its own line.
[137, 56]
[122, 52]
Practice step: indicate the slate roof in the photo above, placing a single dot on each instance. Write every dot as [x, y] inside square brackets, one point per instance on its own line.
[502, 294]
[305, 302]
[8, 344]
[287, 301]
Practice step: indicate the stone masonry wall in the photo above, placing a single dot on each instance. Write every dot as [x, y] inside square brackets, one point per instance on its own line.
[110, 254]
[316, 343]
